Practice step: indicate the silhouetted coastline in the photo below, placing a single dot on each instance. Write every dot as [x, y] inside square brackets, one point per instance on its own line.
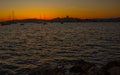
[60, 20]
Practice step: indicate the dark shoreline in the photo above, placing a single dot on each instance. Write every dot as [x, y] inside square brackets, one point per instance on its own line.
[66, 19]
[79, 67]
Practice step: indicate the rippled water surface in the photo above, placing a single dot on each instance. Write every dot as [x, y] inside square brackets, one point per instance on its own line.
[32, 44]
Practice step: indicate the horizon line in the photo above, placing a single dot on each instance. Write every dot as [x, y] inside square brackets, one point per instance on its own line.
[61, 18]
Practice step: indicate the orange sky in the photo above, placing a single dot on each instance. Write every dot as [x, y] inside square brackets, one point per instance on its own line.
[48, 9]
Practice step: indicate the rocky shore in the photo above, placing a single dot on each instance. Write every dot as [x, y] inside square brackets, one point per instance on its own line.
[80, 67]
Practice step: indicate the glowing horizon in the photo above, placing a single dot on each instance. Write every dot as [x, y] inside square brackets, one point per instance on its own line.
[48, 9]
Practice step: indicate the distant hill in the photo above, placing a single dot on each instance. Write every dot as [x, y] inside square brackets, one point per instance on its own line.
[68, 19]
[65, 19]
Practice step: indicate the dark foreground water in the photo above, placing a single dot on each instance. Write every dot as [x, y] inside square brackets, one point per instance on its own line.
[30, 45]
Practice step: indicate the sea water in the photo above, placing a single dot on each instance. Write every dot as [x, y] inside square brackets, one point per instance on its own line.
[31, 44]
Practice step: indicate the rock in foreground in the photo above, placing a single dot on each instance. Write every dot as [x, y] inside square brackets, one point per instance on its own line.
[112, 68]
[75, 68]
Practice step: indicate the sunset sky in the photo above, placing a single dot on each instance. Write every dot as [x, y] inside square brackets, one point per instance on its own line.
[48, 9]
